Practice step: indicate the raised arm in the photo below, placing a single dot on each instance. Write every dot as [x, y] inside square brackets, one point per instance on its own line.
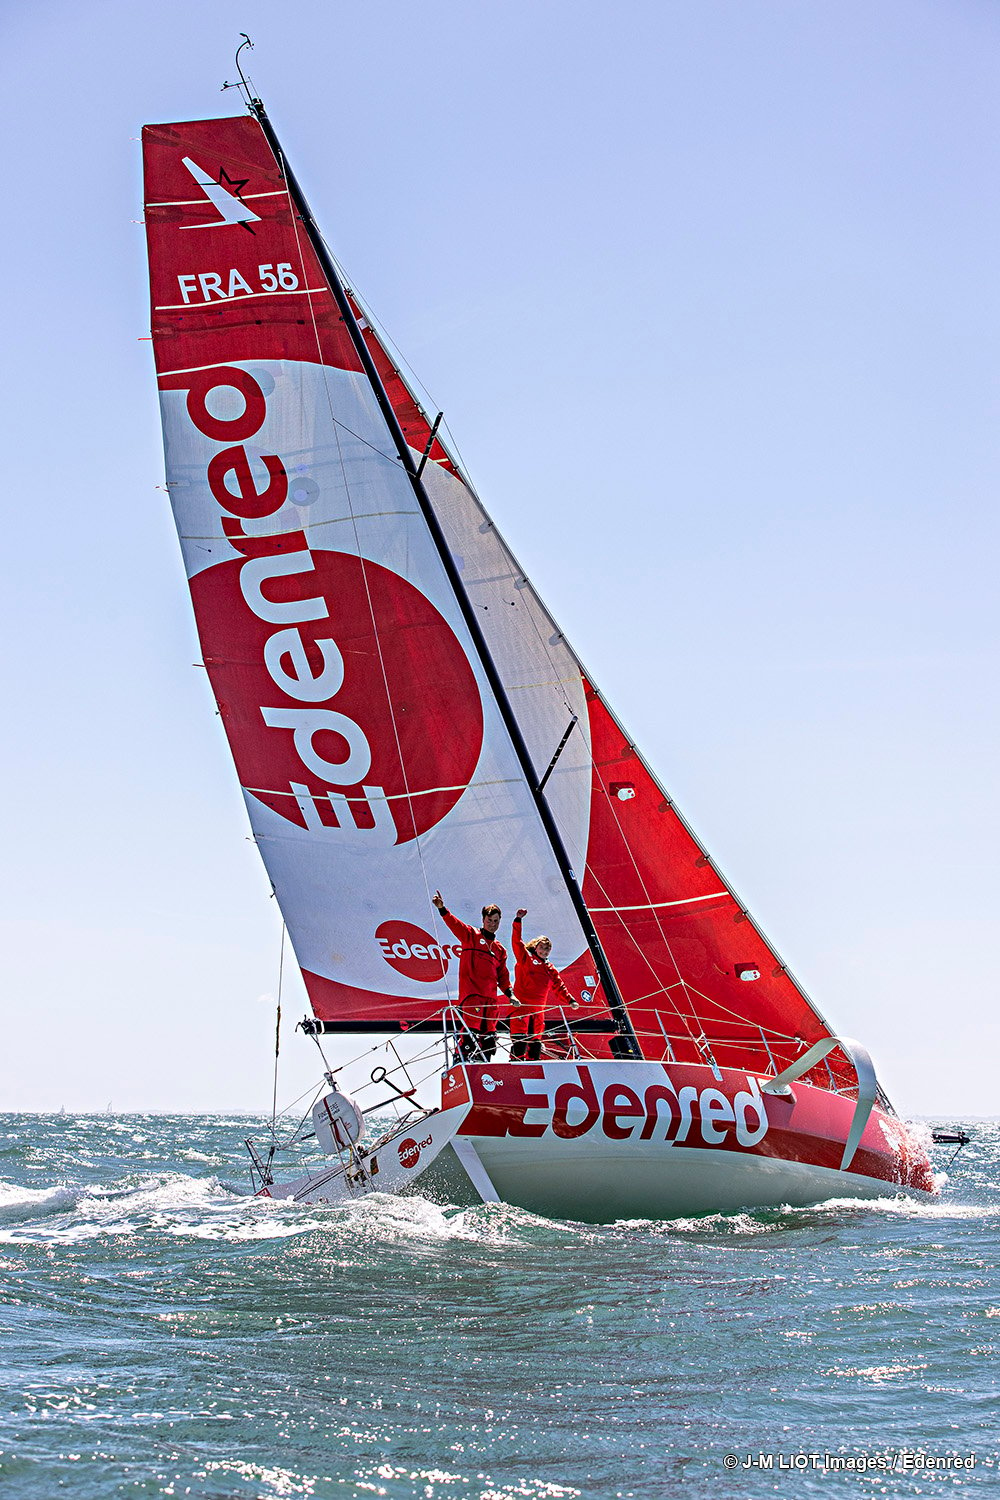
[517, 942]
[454, 924]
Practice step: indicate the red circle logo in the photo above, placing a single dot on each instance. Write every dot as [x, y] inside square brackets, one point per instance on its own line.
[413, 952]
[402, 716]
[409, 1152]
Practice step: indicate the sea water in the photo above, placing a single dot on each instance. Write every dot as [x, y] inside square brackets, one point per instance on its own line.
[163, 1335]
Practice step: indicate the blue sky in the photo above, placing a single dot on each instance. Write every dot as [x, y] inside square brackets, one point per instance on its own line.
[708, 293]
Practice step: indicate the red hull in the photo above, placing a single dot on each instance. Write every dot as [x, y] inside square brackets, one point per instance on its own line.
[688, 1106]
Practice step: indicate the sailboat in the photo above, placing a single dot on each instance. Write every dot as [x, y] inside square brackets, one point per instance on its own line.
[404, 715]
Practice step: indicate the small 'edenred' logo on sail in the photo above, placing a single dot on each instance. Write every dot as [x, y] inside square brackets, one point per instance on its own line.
[413, 952]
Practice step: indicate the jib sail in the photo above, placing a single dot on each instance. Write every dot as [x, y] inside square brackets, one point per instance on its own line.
[700, 980]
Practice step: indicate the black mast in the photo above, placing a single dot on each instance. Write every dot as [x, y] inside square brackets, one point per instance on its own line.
[628, 1044]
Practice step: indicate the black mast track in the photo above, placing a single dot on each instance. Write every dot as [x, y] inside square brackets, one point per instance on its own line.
[628, 1043]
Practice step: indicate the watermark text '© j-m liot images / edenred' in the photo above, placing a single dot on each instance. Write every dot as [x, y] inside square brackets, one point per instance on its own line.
[899, 1461]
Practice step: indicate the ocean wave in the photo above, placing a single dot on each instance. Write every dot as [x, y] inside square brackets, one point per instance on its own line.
[181, 1205]
[745, 1224]
[63, 1212]
[391, 1346]
[753, 1223]
[18, 1202]
[392, 1217]
[206, 1208]
[904, 1207]
[389, 1479]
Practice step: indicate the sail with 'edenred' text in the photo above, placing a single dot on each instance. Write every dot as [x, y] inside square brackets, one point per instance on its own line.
[373, 759]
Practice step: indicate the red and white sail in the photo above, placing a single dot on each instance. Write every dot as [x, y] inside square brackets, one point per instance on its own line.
[373, 759]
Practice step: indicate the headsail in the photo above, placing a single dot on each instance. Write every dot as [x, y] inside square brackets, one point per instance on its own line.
[374, 760]
[700, 980]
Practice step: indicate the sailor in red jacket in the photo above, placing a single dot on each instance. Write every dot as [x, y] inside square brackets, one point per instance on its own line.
[537, 984]
[482, 970]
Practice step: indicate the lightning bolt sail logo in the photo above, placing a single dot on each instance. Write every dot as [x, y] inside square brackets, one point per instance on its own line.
[228, 204]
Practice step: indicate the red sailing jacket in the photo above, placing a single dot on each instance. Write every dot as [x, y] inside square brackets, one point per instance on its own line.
[535, 981]
[482, 971]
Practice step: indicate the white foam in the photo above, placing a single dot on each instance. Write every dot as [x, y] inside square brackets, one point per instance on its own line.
[732, 1224]
[204, 1208]
[19, 1202]
[64, 1214]
[387, 1217]
[907, 1208]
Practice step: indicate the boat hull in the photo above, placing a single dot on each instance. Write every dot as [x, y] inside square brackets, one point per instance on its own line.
[601, 1141]
[392, 1165]
[658, 1182]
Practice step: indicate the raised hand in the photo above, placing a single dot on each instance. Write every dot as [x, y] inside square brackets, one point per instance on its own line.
[522, 911]
[438, 900]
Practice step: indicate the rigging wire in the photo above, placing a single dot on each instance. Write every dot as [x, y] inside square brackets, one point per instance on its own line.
[422, 397]
[520, 578]
[277, 1028]
[513, 727]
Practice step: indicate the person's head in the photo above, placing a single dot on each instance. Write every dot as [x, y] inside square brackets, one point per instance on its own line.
[541, 947]
[491, 918]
